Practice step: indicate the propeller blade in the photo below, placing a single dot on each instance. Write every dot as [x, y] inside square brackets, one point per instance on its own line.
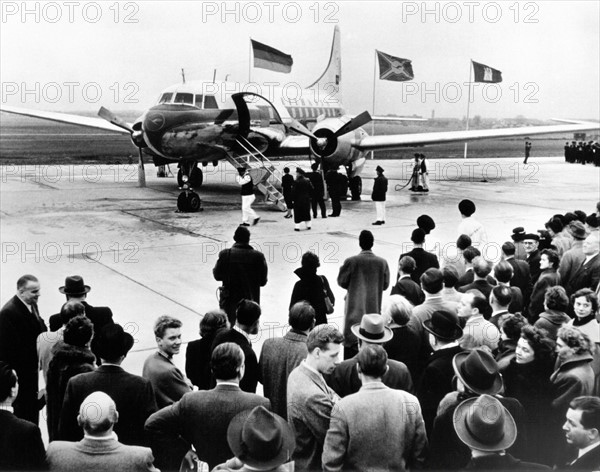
[301, 129]
[354, 123]
[114, 119]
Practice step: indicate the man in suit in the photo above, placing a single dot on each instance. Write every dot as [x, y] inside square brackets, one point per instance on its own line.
[316, 179]
[587, 275]
[503, 273]
[481, 269]
[20, 325]
[21, 446]
[500, 300]
[531, 243]
[76, 290]
[201, 418]
[469, 254]
[99, 450]
[572, 258]
[371, 330]
[424, 259]
[582, 430]
[380, 187]
[488, 429]
[354, 439]
[521, 276]
[279, 356]
[168, 382]
[477, 330]
[242, 271]
[365, 277]
[436, 380]
[246, 325]
[309, 399]
[132, 394]
[405, 285]
[432, 284]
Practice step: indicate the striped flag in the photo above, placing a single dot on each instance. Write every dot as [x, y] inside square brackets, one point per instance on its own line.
[485, 73]
[266, 57]
[394, 68]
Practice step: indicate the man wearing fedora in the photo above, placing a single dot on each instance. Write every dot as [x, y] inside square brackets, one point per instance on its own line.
[260, 440]
[436, 380]
[488, 429]
[477, 373]
[380, 187]
[76, 290]
[371, 330]
[574, 257]
[132, 394]
[20, 325]
[377, 428]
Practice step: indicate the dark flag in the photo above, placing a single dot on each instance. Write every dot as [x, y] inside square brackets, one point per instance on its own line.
[485, 73]
[394, 68]
[270, 58]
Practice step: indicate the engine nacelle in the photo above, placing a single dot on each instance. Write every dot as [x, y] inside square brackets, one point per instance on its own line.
[336, 151]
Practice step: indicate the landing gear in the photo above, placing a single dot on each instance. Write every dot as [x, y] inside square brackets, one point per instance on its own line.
[195, 176]
[189, 176]
[189, 201]
[356, 187]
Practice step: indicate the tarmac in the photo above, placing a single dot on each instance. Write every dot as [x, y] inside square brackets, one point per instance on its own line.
[144, 259]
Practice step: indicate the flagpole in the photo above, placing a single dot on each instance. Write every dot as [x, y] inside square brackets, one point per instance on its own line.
[374, 84]
[468, 107]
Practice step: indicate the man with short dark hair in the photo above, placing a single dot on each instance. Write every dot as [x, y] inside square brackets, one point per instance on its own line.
[279, 356]
[365, 277]
[316, 179]
[309, 399]
[100, 449]
[469, 254]
[21, 446]
[503, 273]
[201, 418]
[582, 430]
[168, 382]
[424, 260]
[405, 285]
[432, 284]
[500, 300]
[132, 394]
[531, 243]
[242, 271]
[587, 275]
[477, 330]
[521, 275]
[355, 439]
[481, 269]
[20, 326]
[449, 293]
[247, 321]
[451, 255]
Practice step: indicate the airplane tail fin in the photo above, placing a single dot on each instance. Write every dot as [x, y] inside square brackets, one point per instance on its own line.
[331, 79]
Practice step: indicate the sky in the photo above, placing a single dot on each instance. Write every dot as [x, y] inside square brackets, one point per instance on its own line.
[77, 56]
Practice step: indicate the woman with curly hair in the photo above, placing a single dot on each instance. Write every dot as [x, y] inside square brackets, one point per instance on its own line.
[556, 303]
[549, 277]
[585, 307]
[527, 378]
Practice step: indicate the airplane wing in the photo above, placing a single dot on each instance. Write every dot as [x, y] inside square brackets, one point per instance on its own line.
[88, 121]
[395, 141]
[396, 118]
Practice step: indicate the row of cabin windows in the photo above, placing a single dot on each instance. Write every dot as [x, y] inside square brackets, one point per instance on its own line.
[201, 101]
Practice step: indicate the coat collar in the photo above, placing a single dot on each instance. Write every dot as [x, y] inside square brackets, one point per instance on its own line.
[295, 336]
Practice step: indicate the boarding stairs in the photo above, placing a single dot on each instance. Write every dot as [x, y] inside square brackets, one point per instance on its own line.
[261, 169]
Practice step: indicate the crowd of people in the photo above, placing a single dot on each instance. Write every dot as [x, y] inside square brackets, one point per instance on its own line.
[467, 363]
[582, 152]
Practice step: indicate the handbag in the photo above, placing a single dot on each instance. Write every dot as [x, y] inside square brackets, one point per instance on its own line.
[328, 304]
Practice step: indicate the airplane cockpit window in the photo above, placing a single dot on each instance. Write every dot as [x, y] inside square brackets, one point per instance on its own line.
[199, 100]
[210, 102]
[165, 98]
[184, 98]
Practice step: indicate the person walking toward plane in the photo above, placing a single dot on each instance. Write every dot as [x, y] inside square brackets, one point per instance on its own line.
[378, 196]
[247, 191]
[527, 151]
[287, 184]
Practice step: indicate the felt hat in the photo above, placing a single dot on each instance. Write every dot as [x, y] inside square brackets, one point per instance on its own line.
[518, 234]
[444, 325]
[74, 286]
[372, 329]
[482, 423]
[379, 169]
[577, 230]
[478, 370]
[535, 237]
[261, 439]
[112, 342]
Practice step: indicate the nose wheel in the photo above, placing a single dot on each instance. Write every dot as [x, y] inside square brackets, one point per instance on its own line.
[189, 202]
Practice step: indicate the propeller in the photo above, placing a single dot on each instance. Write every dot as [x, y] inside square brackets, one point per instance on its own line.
[353, 124]
[117, 121]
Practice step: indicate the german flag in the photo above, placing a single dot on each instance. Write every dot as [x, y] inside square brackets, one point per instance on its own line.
[266, 57]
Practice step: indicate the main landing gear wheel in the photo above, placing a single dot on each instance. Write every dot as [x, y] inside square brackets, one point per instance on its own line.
[189, 202]
[195, 179]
